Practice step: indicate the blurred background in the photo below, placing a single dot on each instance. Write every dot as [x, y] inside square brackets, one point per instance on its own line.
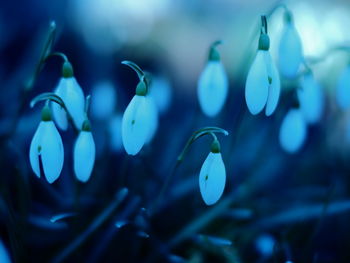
[277, 207]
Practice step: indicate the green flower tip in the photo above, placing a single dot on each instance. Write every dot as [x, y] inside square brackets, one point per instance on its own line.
[288, 17]
[67, 70]
[215, 147]
[214, 54]
[86, 126]
[264, 42]
[46, 114]
[141, 88]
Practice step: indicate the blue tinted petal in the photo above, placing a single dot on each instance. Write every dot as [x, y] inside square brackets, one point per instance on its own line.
[343, 89]
[274, 87]
[212, 88]
[293, 131]
[59, 114]
[311, 99]
[290, 52]
[257, 84]
[84, 156]
[135, 125]
[52, 153]
[153, 119]
[35, 149]
[212, 178]
[161, 93]
[4, 256]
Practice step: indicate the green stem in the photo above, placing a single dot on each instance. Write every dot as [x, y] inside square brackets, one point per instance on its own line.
[136, 68]
[57, 54]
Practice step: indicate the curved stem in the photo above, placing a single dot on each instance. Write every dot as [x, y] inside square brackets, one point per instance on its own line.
[87, 104]
[197, 134]
[332, 50]
[276, 7]
[136, 68]
[216, 43]
[263, 25]
[57, 54]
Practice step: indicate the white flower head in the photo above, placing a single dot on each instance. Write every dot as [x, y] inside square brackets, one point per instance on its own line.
[290, 52]
[293, 131]
[263, 85]
[311, 99]
[103, 100]
[46, 148]
[73, 97]
[212, 85]
[84, 153]
[343, 89]
[212, 177]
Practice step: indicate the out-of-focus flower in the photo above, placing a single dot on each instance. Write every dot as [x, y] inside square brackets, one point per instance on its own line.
[103, 100]
[290, 53]
[4, 256]
[212, 177]
[212, 84]
[46, 148]
[265, 245]
[153, 120]
[311, 99]
[84, 153]
[293, 131]
[263, 82]
[161, 93]
[73, 97]
[115, 133]
[343, 89]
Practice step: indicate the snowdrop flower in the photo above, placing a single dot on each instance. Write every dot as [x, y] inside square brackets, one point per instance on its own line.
[46, 148]
[213, 84]
[137, 118]
[290, 53]
[161, 93]
[293, 131]
[103, 100]
[343, 89]
[84, 153]
[153, 120]
[263, 83]
[115, 133]
[212, 177]
[73, 97]
[311, 99]
[4, 256]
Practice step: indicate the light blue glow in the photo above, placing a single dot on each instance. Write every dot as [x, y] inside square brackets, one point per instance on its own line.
[290, 52]
[293, 131]
[4, 256]
[73, 97]
[161, 93]
[115, 133]
[103, 100]
[84, 156]
[212, 88]
[257, 84]
[212, 178]
[265, 244]
[343, 89]
[48, 144]
[311, 99]
[136, 124]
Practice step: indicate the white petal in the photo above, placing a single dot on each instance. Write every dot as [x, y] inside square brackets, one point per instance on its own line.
[290, 53]
[35, 149]
[103, 100]
[59, 114]
[153, 125]
[52, 153]
[293, 131]
[257, 84]
[212, 178]
[115, 133]
[161, 93]
[135, 124]
[274, 87]
[343, 89]
[84, 156]
[212, 88]
[73, 97]
[311, 99]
